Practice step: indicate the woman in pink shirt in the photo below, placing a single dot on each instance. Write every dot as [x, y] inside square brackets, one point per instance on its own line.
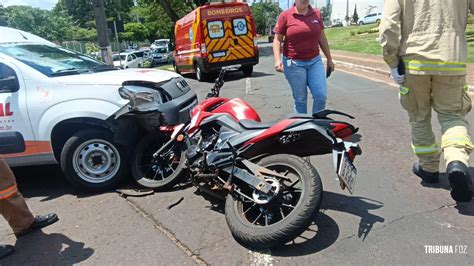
[301, 30]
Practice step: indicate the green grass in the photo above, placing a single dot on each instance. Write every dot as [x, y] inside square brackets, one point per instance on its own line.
[167, 67]
[343, 39]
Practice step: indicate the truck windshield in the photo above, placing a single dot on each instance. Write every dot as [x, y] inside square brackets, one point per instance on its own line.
[53, 61]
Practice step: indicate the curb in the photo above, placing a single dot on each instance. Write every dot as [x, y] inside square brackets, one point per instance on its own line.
[376, 70]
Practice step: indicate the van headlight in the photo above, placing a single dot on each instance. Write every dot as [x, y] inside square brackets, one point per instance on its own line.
[141, 98]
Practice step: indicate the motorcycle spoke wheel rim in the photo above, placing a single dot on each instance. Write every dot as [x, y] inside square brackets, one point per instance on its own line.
[158, 170]
[281, 206]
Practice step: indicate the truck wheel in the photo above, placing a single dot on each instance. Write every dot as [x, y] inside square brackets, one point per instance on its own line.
[91, 160]
[248, 70]
[200, 75]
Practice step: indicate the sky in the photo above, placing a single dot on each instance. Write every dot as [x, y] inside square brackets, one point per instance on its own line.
[340, 6]
[43, 4]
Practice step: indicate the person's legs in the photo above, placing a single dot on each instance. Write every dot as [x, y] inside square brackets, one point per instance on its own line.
[12, 205]
[452, 103]
[295, 73]
[415, 97]
[317, 83]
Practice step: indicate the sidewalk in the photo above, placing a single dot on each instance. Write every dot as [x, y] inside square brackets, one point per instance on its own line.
[375, 64]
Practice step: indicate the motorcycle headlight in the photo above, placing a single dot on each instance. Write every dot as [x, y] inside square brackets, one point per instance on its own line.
[141, 98]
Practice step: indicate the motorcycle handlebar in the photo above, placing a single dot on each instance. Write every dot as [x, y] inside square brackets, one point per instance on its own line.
[215, 91]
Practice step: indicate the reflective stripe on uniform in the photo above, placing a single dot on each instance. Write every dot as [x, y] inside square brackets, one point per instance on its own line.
[425, 149]
[8, 192]
[404, 90]
[457, 140]
[434, 65]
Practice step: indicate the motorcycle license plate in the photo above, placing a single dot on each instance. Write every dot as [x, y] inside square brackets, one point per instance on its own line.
[347, 172]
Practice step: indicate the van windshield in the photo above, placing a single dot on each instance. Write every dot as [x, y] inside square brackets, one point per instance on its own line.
[53, 61]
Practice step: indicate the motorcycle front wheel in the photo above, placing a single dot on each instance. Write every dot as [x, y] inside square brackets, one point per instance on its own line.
[271, 221]
[158, 173]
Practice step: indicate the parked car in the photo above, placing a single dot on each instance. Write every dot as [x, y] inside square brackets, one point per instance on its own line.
[145, 57]
[127, 60]
[370, 19]
[160, 43]
[337, 23]
[162, 55]
[79, 112]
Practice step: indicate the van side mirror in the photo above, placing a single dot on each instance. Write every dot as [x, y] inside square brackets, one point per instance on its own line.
[9, 84]
[11, 142]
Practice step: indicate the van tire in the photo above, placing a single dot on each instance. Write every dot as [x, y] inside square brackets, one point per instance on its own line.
[78, 154]
[200, 75]
[248, 70]
[176, 68]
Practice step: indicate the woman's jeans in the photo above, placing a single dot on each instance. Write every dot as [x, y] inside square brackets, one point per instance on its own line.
[302, 74]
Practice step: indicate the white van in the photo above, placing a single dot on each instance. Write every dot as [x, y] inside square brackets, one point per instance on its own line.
[66, 105]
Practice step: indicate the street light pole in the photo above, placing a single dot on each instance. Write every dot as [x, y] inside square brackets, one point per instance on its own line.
[102, 36]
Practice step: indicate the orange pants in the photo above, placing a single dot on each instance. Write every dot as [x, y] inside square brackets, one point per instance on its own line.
[12, 205]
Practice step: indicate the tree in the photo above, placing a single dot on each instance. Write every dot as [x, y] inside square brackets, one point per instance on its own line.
[265, 16]
[326, 13]
[3, 21]
[134, 32]
[355, 17]
[46, 24]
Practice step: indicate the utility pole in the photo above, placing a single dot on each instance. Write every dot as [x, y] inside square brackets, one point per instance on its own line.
[347, 12]
[101, 25]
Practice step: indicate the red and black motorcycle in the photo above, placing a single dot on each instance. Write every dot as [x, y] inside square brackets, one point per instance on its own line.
[271, 191]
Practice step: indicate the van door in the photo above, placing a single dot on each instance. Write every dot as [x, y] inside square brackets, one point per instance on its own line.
[243, 45]
[229, 39]
[13, 107]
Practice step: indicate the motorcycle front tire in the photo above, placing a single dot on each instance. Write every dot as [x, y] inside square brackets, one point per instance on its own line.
[278, 234]
[151, 143]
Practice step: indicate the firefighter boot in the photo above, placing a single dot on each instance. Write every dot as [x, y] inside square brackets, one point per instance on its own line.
[428, 177]
[460, 180]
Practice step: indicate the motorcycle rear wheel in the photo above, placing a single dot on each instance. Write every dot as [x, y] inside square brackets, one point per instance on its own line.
[291, 211]
[159, 174]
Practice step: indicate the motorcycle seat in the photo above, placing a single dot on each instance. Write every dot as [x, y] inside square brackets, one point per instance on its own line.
[250, 124]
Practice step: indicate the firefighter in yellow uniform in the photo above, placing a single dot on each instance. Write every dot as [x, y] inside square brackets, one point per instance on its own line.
[14, 209]
[424, 44]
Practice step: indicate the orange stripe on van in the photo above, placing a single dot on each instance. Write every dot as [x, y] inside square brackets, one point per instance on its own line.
[33, 148]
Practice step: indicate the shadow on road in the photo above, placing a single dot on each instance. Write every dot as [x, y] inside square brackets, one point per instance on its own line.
[464, 208]
[324, 231]
[42, 181]
[320, 235]
[48, 249]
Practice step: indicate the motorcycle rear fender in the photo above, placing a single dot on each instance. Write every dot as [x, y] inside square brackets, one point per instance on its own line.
[302, 140]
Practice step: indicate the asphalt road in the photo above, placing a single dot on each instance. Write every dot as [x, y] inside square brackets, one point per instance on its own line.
[390, 219]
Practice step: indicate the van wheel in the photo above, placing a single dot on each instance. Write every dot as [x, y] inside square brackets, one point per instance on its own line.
[248, 70]
[91, 160]
[175, 67]
[200, 75]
